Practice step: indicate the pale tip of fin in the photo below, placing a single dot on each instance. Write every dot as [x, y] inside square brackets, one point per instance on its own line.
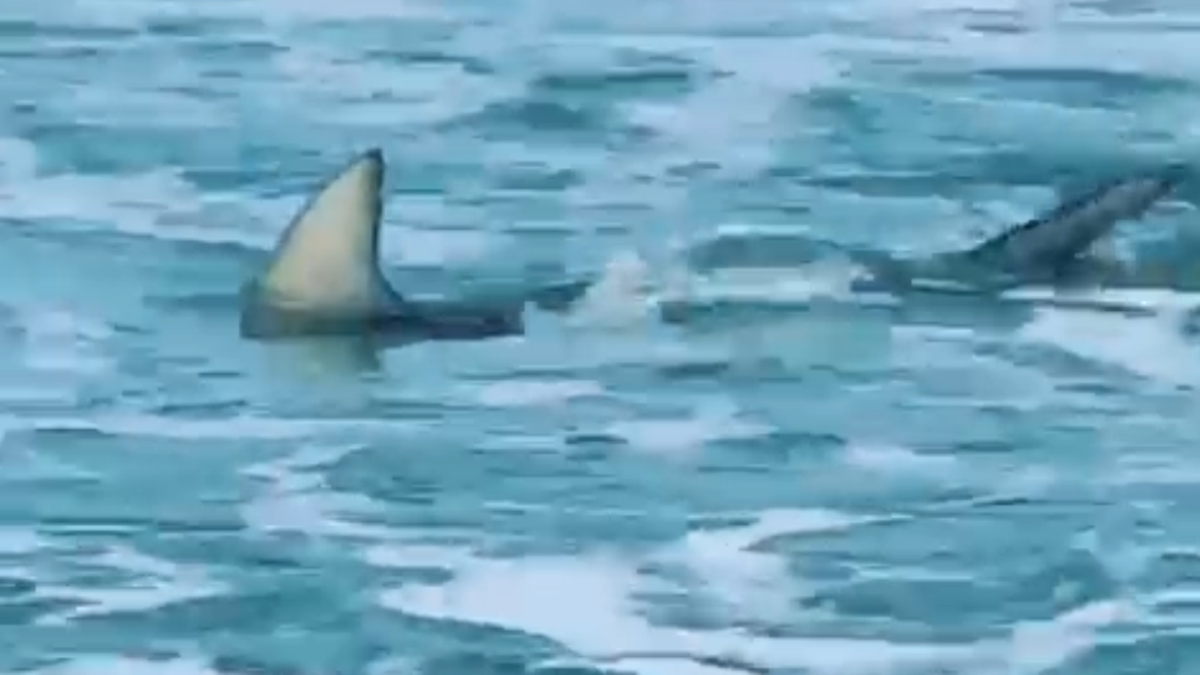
[327, 260]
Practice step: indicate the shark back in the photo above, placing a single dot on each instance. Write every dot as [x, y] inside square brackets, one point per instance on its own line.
[1053, 247]
[1067, 232]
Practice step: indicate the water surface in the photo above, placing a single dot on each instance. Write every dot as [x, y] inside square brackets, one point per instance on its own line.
[847, 488]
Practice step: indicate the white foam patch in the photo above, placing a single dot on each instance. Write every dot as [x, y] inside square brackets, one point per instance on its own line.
[313, 514]
[522, 443]
[536, 393]
[1171, 607]
[159, 583]
[19, 540]
[1041, 646]
[605, 625]
[753, 583]
[18, 161]
[827, 279]
[415, 555]
[521, 594]
[755, 230]
[1152, 347]
[895, 460]
[295, 499]
[622, 296]
[59, 341]
[711, 422]
[394, 665]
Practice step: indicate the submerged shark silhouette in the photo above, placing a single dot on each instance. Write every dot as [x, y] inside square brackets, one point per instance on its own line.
[324, 277]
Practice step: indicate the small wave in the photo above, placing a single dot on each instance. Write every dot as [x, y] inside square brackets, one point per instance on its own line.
[294, 499]
[520, 393]
[739, 574]
[158, 583]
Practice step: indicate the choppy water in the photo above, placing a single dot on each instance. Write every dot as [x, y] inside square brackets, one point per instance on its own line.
[841, 492]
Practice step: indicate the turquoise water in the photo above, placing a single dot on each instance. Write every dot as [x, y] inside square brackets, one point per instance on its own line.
[787, 480]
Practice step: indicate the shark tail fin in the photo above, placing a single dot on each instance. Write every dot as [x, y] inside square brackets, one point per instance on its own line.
[1074, 226]
[327, 260]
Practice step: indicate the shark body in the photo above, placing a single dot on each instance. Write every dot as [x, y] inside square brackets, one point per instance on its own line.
[1056, 248]
[324, 275]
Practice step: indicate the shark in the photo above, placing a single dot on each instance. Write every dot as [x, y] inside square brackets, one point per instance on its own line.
[323, 277]
[1057, 248]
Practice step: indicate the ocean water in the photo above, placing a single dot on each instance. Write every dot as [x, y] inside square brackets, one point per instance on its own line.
[782, 479]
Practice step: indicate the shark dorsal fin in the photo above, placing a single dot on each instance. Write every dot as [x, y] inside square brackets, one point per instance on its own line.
[327, 260]
[1075, 225]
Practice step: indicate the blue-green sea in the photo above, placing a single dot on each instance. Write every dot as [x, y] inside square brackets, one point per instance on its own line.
[783, 476]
